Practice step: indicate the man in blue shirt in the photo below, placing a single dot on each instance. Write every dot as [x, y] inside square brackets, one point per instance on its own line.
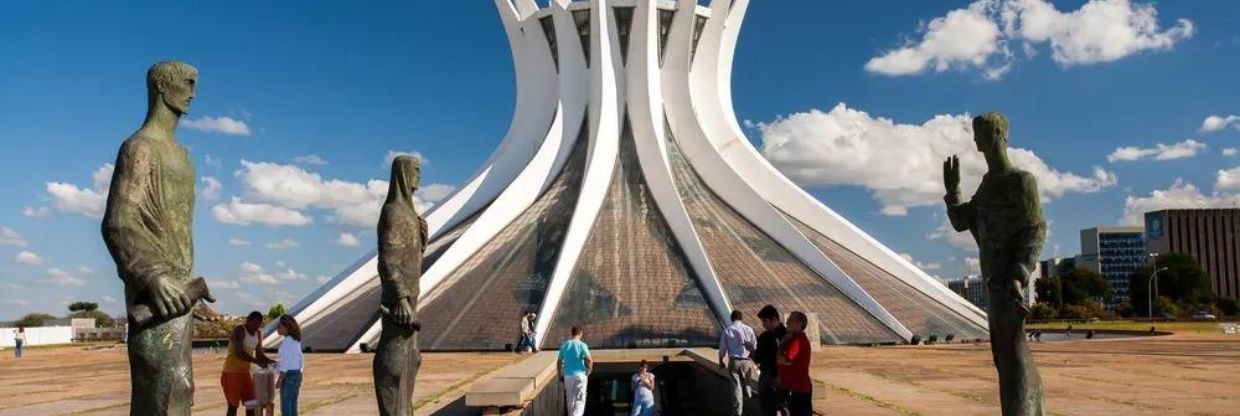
[574, 366]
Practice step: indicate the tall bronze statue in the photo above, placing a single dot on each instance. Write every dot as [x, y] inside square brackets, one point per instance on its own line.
[402, 242]
[1005, 218]
[147, 229]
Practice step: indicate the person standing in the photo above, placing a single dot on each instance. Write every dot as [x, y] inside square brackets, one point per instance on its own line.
[794, 367]
[532, 335]
[773, 400]
[19, 338]
[245, 347]
[735, 344]
[574, 366]
[291, 364]
[643, 391]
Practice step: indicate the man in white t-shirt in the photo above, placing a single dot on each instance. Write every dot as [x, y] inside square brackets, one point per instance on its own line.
[643, 391]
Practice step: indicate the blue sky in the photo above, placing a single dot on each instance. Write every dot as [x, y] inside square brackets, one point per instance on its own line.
[1092, 89]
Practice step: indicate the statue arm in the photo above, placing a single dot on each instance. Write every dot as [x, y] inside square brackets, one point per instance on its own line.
[391, 253]
[1035, 233]
[960, 214]
[130, 216]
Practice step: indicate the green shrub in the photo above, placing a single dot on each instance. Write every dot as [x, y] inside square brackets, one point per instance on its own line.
[1042, 311]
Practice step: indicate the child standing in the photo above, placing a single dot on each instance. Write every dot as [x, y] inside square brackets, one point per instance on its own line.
[290, 366]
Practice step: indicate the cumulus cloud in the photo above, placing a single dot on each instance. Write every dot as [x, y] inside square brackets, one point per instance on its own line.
[36, 212]
[237, 212]
[900, 164]
[256, 274]
[10, 237]
[347, 240]
[213, 161]
[284, 244]
[963, 241]
[223, 125]
[310, 160]
[60, 277]
[238, 242]
[1185, 149]
[322, 279]
[27, 258]
[211, 188]
[1183, 194]
[920, 265]
[1216, 123]
[983, 35]
[1231, 152]
[90, 202]
[85, 270]
[350, 203]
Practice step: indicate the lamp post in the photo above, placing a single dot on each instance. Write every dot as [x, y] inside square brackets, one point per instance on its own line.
[1151, 286]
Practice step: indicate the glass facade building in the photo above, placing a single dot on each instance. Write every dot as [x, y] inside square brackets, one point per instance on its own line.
[1115, 253]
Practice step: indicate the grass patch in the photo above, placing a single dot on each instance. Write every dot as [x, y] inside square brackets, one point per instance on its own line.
[1190, 327]
[873, 400]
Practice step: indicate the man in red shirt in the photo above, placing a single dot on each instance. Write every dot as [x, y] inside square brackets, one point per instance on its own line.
[794, 367]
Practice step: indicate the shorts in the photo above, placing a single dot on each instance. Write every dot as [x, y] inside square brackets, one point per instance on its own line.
[238, 388]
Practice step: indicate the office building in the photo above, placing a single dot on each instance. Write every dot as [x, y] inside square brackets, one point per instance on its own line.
[1210, 235]
[1115, 253]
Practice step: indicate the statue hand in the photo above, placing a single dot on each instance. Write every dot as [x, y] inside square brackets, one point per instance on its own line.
[167, 298]
[951, 175]
[402, 314]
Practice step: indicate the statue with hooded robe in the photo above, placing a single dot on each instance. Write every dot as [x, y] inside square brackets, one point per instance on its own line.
[402, 242]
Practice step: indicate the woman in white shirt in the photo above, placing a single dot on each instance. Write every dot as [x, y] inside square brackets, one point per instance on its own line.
[290, 366]
[19, 338]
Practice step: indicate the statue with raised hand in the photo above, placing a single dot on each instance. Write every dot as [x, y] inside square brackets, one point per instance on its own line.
[1005, 218]
[402, 242]
[147, 228]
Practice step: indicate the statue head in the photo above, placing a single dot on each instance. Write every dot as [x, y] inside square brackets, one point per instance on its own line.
[406, 173]
[990, 132]
[171, 84]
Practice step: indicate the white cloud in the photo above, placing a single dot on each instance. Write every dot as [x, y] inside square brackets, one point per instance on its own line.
[983, 35]
[1185, 149]
[237, 242]
[310, 160]
[90, 202]
[110, 300]
[27, 258]
[36, 212]
[322, 279]
[960, 240]
[1231, 152]
[920, 265]
[85, 270]
[1216, 123]
[241, 213]
[347, 240]
[253, 273]
[284, 244]
[351, 203]
[213, 161]
[211, 188]
[392, 154]
[223, 284]
[222, 125]
[900, 164]
[1183, 194]
[9, 237]
[60, 277]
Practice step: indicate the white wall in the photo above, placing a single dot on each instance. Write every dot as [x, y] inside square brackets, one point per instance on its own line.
[46, 335]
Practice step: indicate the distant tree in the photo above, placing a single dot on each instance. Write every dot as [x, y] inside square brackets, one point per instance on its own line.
[275, 311]
[78, 307]
[1081, 286]
[35, 319]
[1184, 283]
[1047, 289]
[1043, 311]
[1084, 310]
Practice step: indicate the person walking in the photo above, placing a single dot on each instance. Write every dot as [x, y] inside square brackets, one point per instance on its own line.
[794, 367]
[245, 347]
[291, 365]
[19, 339]
[736, 342]
[643, 391]
[771, 398]
[574, 367]
[527, 333]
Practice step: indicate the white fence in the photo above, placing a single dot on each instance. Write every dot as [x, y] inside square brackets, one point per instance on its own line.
[46, 335]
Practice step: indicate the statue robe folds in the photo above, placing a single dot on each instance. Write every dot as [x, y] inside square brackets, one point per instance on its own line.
[402, 242]
[147, 229]
[1005, 218]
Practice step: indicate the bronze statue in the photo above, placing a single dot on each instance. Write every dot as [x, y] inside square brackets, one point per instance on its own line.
[402, 242]
[147, 229]
[1005, 218]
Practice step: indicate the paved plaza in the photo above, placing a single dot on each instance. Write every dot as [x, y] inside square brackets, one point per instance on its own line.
[1185, 374]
